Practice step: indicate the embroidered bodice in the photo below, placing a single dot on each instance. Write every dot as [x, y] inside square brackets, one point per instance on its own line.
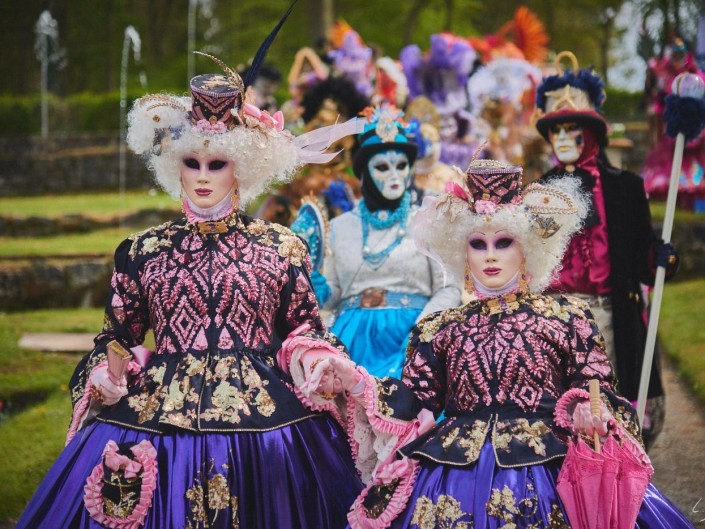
[220, 305]
[497, 369]
[404, 270]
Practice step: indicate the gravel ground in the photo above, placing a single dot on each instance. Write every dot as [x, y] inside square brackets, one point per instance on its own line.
[678, 455]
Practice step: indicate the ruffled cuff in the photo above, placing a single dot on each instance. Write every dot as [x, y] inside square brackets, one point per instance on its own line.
[563, 414]
[290, 359]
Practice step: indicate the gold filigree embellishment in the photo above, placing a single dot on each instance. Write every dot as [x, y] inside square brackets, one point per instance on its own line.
[523, 432]
[445, 513]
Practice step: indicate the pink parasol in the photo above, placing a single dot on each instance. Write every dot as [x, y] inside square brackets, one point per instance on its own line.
[603, 489]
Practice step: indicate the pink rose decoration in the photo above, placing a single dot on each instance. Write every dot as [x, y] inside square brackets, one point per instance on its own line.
[485, 207]
[251, 110]
[455, 189]
[206, 126]
[275, 122]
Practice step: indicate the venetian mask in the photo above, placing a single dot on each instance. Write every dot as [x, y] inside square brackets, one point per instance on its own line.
[206, 179]
[391, 173]
[567, 142]
[494, 257]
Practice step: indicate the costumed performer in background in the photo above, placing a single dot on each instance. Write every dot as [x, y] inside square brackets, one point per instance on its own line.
[617, 248]
[207, 431]
[661, 72]
[380, 285]
[510, 371]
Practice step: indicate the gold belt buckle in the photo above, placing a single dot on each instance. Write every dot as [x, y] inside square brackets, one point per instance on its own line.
[211, 227]
[373, 298]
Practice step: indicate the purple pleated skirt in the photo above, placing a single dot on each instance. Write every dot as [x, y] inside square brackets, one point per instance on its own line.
[486, 496]
[297, 476]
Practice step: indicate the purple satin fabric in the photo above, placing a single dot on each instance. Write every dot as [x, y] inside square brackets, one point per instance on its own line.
[297, 476]
[472, 489]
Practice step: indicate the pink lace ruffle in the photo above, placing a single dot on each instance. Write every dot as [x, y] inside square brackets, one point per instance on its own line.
[563, 414]
[146, 456]
[406, 472]
[80, 410]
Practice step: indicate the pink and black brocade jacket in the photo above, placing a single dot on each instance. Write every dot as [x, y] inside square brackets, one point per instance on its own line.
[498, 373]
[220, 306]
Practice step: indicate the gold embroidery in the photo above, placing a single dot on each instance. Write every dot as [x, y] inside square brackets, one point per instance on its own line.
[206, 507]
[152, 244]
[218, 493]
[136, 237]
[385, 391]
[556, 519]
[473, 440]
[384, 494]
[228, 401]
[198, 508]
[146, 403]
[523, 432]
[293, 248]
[257, 227]
[503, 505]
[429, 326]
[445, 514]
[128, 496]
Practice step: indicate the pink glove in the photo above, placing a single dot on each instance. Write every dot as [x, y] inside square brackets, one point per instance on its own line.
[334, 375]
[106, 390]
[584, 422]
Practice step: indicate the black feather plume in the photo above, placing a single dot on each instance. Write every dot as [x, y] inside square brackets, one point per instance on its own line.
[262, 51]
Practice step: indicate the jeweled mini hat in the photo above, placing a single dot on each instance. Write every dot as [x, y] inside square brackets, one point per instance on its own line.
[541, 217]
[572, 96]
[216, 98]
[383, 130]
[494, 181]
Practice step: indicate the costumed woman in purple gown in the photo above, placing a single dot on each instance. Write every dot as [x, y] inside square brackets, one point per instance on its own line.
[510, 371]
[208, 430]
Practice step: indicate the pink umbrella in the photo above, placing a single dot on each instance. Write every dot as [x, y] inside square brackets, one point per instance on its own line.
[603, 489]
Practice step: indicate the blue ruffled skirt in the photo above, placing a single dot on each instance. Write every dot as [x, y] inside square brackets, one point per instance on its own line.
[300, 475]
[376, 338]
[486, 496]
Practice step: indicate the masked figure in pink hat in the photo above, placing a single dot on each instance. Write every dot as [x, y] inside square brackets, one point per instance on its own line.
[208, 430]
[509, 371]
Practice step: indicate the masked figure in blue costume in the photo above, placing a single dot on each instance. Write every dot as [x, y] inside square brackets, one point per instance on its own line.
[380, 286]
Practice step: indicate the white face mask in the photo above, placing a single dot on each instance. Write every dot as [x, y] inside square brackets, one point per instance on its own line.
[391, 173]
[567, 142]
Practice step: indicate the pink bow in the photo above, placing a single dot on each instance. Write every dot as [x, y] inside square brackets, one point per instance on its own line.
[392, 471]
[115, 461]
[455, 189]
[265, 118]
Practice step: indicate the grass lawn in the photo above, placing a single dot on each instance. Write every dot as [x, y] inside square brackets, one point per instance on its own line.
[35, 385]
[93, 243]
[682, 330]
[99, 205]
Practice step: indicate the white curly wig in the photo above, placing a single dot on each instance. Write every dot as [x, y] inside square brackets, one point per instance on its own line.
[166, 128]
[543, 222]
[164, 134]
